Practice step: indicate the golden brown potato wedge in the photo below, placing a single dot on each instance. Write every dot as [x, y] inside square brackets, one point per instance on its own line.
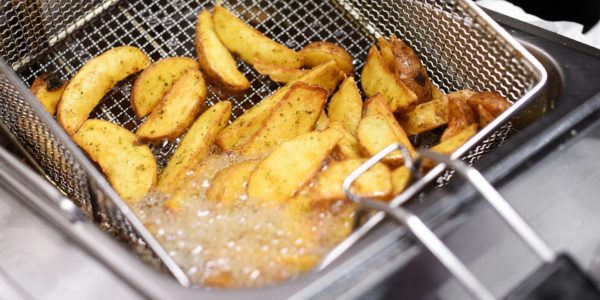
[48, 90]
[229, 185]
[296, 113]
[436, 92]
[94, 80]
[450, 145]
[401, 177]
[317, 53]
[156, 80]
[278, 73]
[387, 56]
[460, 116]
[322, 122]
[195, 145]
[214, 57]
[347, 147]
[377, 78]
[345, 106]
[374, 183]
[484, 116]
[183, 192]
[177, 110]
[290, 166]
[430, 115]
[375, 106]
[129, 166]
[250, 44]
[409, 69]
[245, 126]
[488, 106]
[374, 134]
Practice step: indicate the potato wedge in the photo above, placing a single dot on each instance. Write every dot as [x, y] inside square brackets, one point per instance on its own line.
[195, 145]
[48, 90]
[374, 183]
[345, 105]
[436, 92]
[492, 102]
[290, 166]
[184, 192]
[374, 134]
[156, 80]
[214, 57]
[278, 73]
[317, 53]
[484, 116]
[229, 185]
[177, 110]
[401, 178]
[377, 78]
[322, 122]
[450, 145]
[245, 126]
[375, 106]
[347, 147]
[129, 166]
[296, 113]
[250, 44]
[409, 69]
[460, 116]
[387, 56]
[94, 80]
[430, 115]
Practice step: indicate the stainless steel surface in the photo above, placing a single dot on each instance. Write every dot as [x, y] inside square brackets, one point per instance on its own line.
[458, 45]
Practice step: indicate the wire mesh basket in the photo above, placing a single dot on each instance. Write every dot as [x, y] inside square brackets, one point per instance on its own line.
[459, 46]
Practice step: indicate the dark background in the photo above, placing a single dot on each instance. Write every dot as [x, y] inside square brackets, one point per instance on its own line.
[586, 12]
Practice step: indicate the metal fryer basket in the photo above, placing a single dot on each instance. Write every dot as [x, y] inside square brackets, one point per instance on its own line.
[458, 46]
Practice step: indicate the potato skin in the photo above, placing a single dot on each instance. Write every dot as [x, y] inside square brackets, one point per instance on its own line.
[492, 102]
[460, 116]
[46, 88]
[94, 80]
[410, 70]
[214, 58]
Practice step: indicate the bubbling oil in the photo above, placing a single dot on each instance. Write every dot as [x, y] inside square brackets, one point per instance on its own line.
[245, 244]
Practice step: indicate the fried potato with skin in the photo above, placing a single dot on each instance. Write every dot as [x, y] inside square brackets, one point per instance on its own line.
[430, 115]
[377, 78]
[181, 196]
[229, 185]
[345, 105]
[347, 147]
[94, 80]
[374, 183]
[278, 73]
[296, 114]
[436, 92]
[322, 122]
[484, 116]
[317, 53]
[215, 58]
[245, 126]
[129, 166]
[156, 80]
[290, 166]
[401, 178]
[250, 44]
[195, 145]
[177, 110]
[387, 56]
[460, 116]
[492, 102]
[374, 134]
[409, 69]
[376, 106]
[450, 145]
[48, 90]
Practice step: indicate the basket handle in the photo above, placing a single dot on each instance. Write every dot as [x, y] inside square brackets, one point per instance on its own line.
[544, 281]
